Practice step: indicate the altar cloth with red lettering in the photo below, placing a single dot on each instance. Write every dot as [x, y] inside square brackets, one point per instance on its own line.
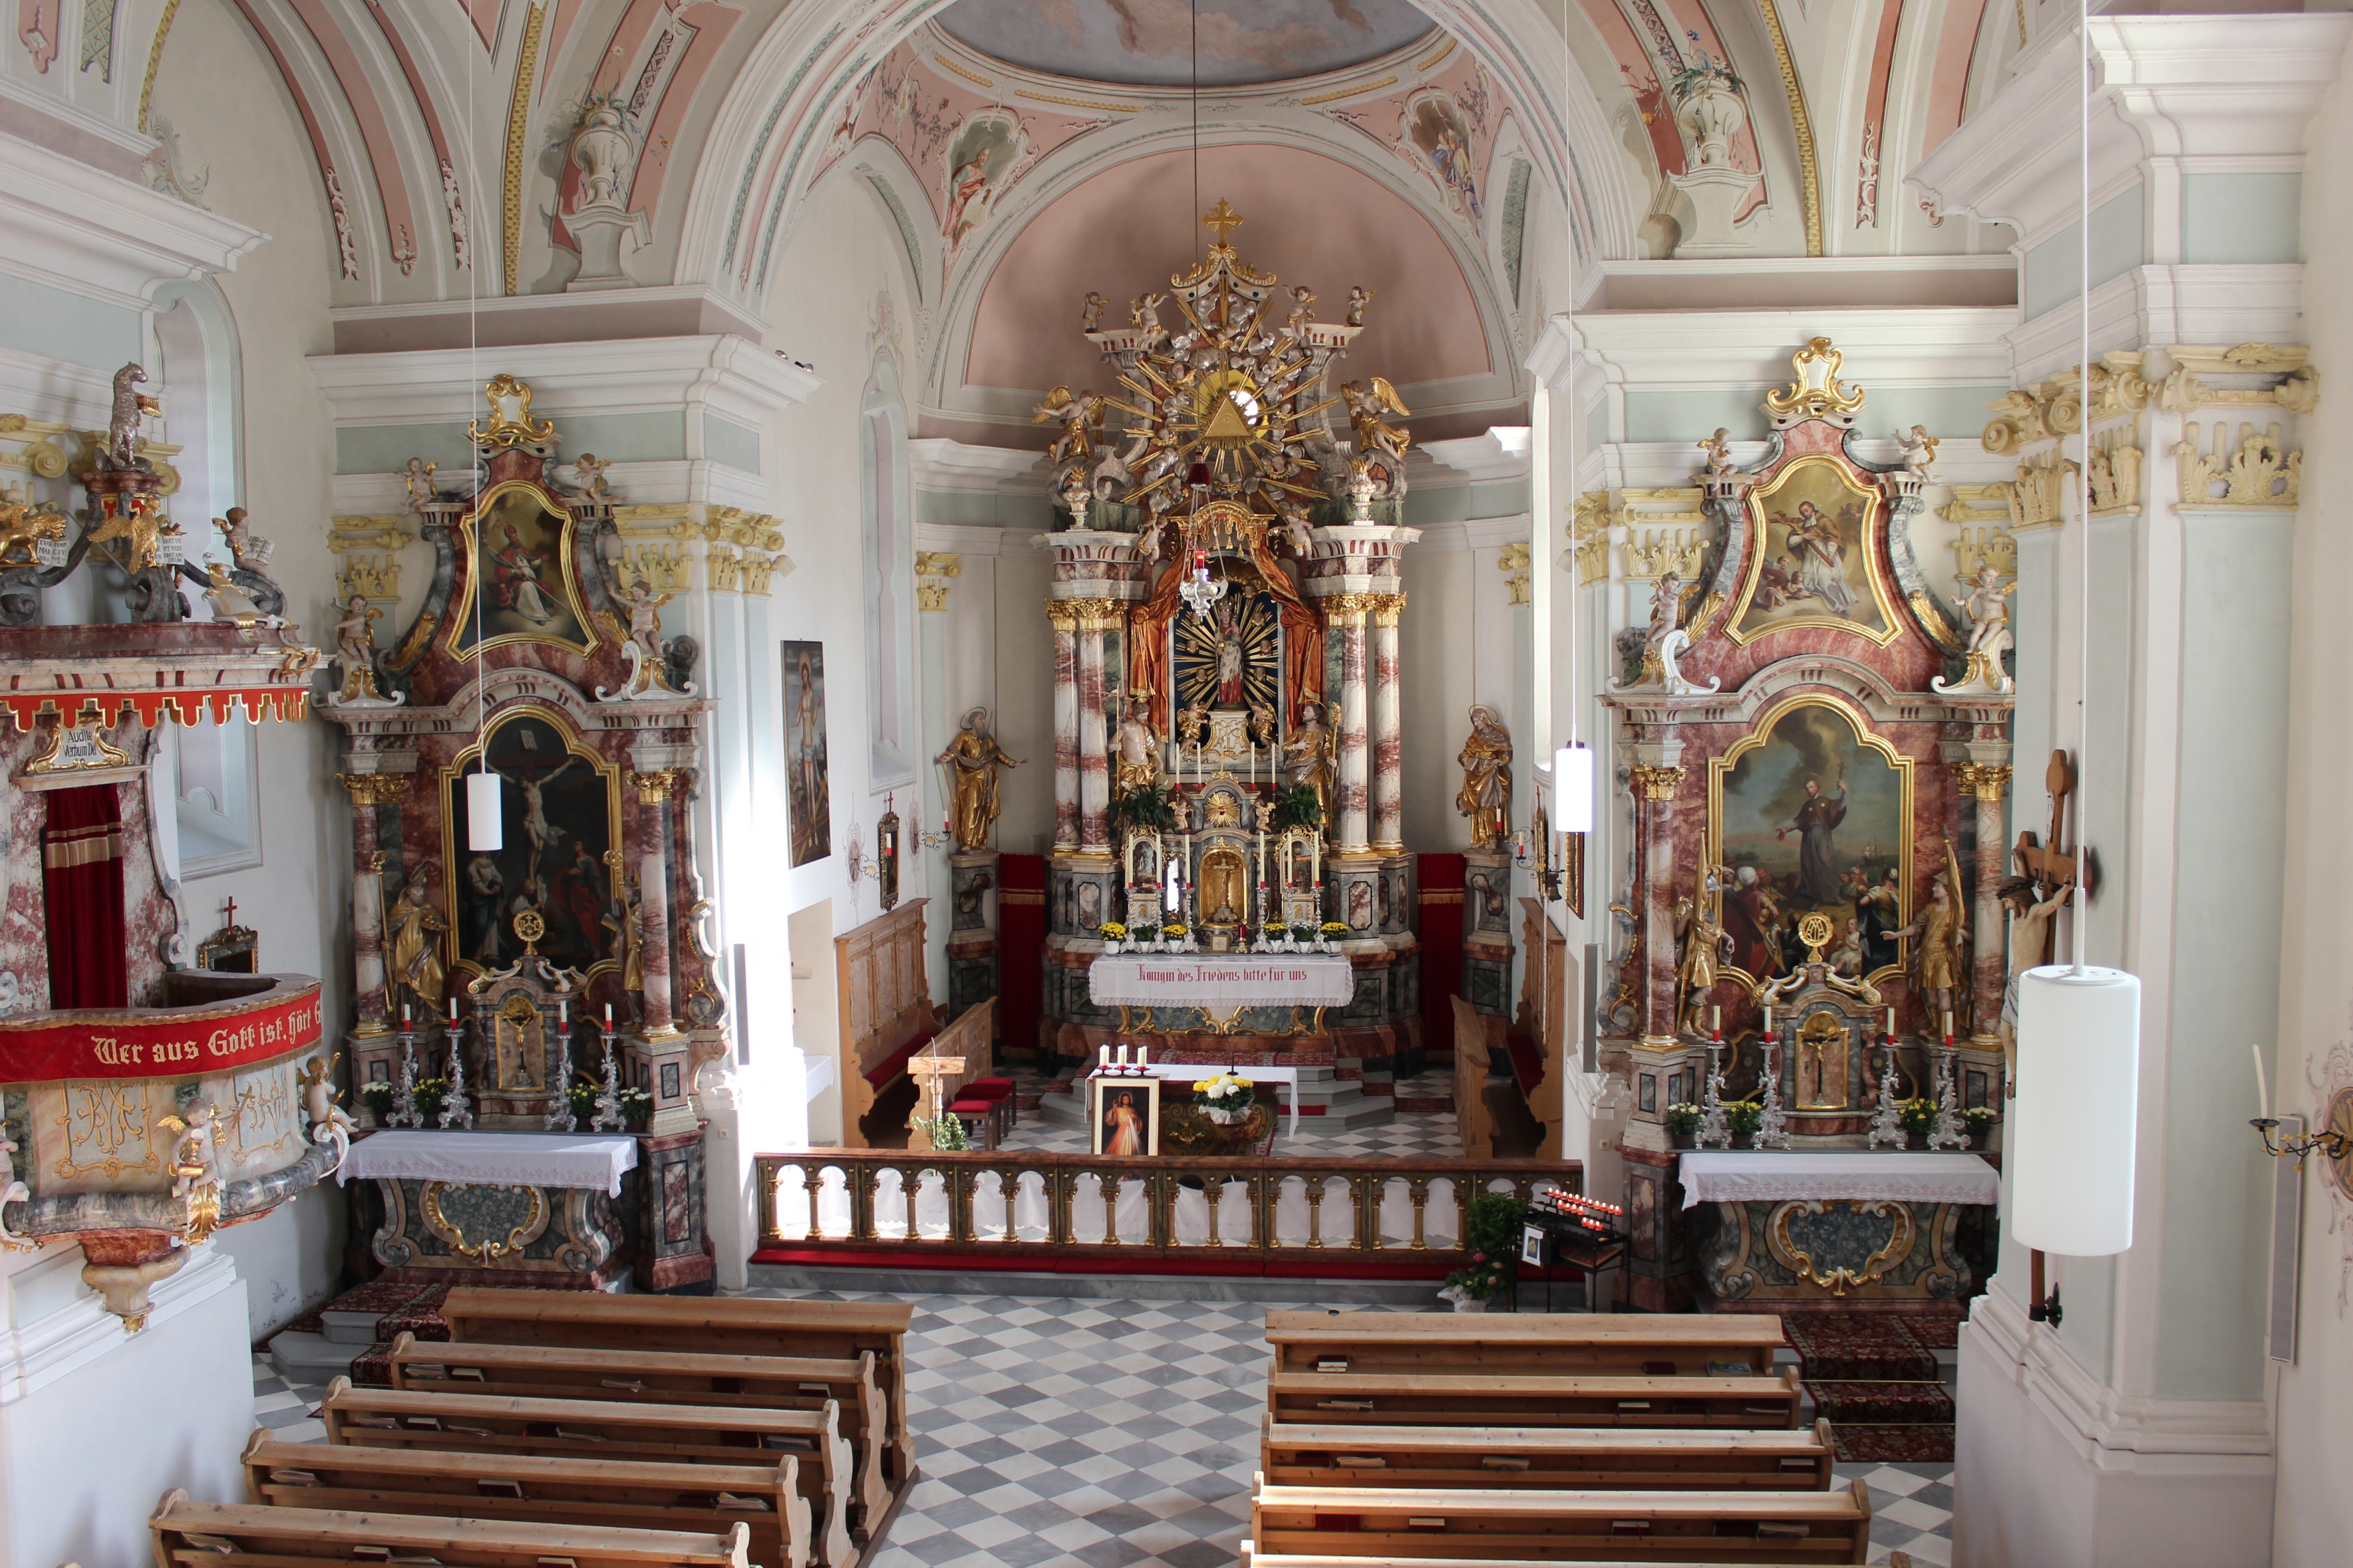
[1221, 981]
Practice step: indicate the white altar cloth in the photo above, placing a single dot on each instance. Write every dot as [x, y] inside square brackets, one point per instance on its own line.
[1766, 1175]
[1195, 1072]
[495, 1159]
[1220, 981]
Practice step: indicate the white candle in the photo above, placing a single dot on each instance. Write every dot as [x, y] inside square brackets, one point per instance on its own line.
[1123, 1056]
[1948, 1026]
[1768, 1017]
[1716, 1019]
[608, 1017]
[453, 1009]
[1890, 1023]
[1140, 1054]
[563, 1012]
[1103, 1056]
[404, 1015]
[2263, 1089]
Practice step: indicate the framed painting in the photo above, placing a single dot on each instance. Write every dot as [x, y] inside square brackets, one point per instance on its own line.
[1126, 1115]
[519, 582]
[808, 789]
[560, 838]
[1813, 558]
[1810, 812]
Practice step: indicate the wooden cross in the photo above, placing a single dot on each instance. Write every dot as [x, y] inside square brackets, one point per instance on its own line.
[1220, 219]
[927, 1071]
[2050, 866]
[228, 916]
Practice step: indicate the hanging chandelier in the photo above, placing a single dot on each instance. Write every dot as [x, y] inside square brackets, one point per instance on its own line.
[1201, 590]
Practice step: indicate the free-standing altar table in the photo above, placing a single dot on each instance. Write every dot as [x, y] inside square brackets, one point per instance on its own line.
[1192, 1072]
[1799, 1226]
[506, 1208]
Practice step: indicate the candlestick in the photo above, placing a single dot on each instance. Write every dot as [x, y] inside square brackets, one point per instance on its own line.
[2263, 1089]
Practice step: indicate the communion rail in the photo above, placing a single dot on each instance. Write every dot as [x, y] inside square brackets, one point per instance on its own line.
[1064, 1206]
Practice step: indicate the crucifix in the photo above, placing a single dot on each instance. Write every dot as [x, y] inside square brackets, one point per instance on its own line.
[228, 915]
[2050, 867]
[1220, 219]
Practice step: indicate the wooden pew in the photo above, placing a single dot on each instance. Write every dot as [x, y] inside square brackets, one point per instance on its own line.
[243, 1535]
[1476, 1036]
[885, 1010]
[669, 1377]
[1657, 1344]
[605, 1429]
[704, 1500]
[1254, 1558]
[1408, 1524]
[1386, 1399]
[717, 1325]
[1579, 1458]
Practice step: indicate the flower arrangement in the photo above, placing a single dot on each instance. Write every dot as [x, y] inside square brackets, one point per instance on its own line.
[637, 1105]
[1918, 1115]
[1174, 932]
[1491, 1237]
[946, 1134]
[378, 1098]
[1274, 930]
[1146, 806]
[1226, 1098]
[1682, 1119]
[1742, 1115]
[429, 1092]
[582, 1097]
[1706, 72]
[1981, 1118]
[1297, 806]
[1112, 933]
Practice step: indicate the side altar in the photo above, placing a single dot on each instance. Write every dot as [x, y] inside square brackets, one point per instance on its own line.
[528, 920]
[1224, 607]
[1818, 749]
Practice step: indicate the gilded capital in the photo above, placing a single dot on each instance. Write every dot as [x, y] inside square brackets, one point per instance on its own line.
[1063, 614]
[654, 786]
[1387, 607]
[1657, 782]
[1983, 780]
[373, 789]
[1100, 615]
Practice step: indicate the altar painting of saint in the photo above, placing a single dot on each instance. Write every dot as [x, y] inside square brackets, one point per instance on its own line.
[561, 819]
[1814, 535]
[522, 587]
[1809, 813]
[1126, 1115]
[1233, 660]
[808, 793]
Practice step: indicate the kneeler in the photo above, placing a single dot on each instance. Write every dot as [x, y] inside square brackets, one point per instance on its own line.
[81, 886]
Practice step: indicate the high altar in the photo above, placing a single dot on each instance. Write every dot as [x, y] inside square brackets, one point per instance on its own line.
[506, 973]
[1225, 610]
[1816, 759]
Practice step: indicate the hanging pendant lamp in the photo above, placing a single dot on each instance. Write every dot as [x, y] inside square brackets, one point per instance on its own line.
[1572, 787]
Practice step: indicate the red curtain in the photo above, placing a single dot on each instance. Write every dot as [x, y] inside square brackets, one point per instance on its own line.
[1020, 948]
[1440, 880]
[82, 881]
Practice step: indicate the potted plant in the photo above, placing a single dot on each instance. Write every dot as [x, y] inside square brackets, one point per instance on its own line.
[1742, 1116]
[1113, 935]
[1172, 935]
[1981, 1119]
[946, 1134]
[1225, 1099]
[1296, 807]
[637, 1107]
[1146, 806]
[582, 1098]
[1918, 1116]
[1331, 933]
[1491, 1235]
[378, 1098]
[1274, 936]
[429, 1092]
[1683, 1121]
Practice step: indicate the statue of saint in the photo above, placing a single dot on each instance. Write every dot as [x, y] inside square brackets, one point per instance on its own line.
[1135, 759]
[1939, 971]
[972, 759]
[1705, 946]
[415, 937]
[1486, 762]
[1307, 757]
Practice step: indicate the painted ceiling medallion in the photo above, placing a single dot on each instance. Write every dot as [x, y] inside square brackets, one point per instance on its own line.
[1150, 43]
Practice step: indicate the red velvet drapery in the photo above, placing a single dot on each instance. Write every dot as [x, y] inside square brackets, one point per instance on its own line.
[82, 882]
[1303, 635]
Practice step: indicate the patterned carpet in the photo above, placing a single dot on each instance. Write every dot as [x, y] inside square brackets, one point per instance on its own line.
[1069, 1434]
[1877, 1379]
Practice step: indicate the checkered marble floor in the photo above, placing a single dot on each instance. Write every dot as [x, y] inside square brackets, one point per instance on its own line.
[1114, 1434]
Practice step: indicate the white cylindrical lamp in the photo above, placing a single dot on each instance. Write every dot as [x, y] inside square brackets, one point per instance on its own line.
[485, 821]
[1572, 789]
[2072, 1131]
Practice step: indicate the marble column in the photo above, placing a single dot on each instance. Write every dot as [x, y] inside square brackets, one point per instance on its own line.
[1066, 723]
[1347, 626]
[1387, 748]
[654, 894]
[1655, 785]
[1095, 617]
[372, 997]
[1986, 782]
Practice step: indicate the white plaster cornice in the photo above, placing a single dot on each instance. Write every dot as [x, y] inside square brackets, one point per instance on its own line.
[56, 1344]
[45, 388]
[95, 234]
[1957, 345]
[727, 375]
[1500, 452]
[2224, 88]
[2152, 306]
[939, 463]
[976, 538]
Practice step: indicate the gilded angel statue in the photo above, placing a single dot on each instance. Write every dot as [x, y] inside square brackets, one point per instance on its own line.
[1080, 415]
[1369, 402]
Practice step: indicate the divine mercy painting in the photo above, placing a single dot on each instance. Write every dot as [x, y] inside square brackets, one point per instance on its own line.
[809, 790]
[1814, 532]
[523, 586]
[1811, 814]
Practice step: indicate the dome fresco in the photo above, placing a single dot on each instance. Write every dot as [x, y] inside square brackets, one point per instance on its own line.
[1151, 42]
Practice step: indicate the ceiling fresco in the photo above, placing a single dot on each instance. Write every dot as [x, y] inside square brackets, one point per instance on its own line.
[1150, 42]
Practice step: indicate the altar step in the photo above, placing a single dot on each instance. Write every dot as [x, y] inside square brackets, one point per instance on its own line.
[1327, 1102]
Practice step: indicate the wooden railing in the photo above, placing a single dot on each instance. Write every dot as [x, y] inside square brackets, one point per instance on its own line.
[1096, 1206]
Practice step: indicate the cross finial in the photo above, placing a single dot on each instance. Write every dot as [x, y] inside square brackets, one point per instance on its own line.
[1220, 219]
[229, 914]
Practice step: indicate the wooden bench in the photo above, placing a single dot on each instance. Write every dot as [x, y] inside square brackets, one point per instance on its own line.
[885, 1011]
[225, 1535]
[1254, 1558]
[669, 1377]
[1542, 1344]
[703, 1499]
[717, 1325]
[1522, 1457]
[605, 1429]
[1329, 1399]
[1410, 1524]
